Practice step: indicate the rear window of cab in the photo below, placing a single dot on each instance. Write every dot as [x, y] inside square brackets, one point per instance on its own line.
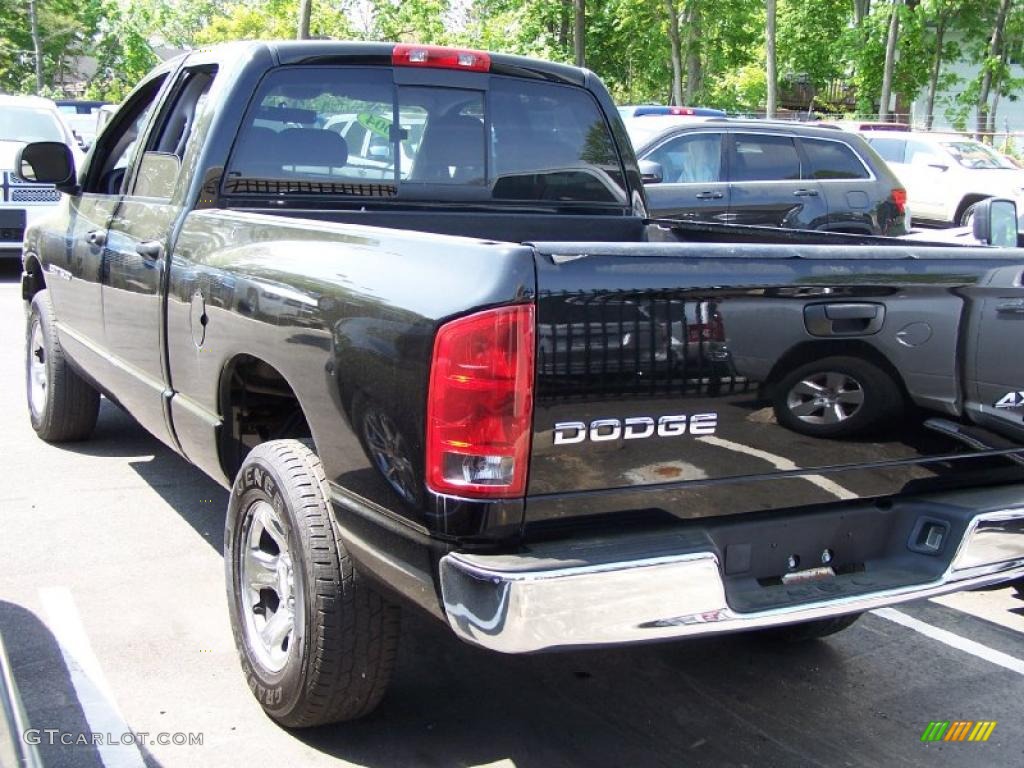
[354, 132]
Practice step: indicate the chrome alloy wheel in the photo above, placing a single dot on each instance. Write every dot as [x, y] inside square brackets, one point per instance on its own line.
[38, 377]
[272, 612]
[828, 397]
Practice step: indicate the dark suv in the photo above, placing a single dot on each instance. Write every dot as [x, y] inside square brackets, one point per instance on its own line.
[767, 173]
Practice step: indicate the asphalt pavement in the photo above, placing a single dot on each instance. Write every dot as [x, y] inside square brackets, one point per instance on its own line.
[113, 613]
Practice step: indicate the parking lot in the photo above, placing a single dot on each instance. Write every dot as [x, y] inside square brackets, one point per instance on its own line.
[113, 612]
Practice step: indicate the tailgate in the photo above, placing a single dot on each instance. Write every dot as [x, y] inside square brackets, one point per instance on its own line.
[698, 380]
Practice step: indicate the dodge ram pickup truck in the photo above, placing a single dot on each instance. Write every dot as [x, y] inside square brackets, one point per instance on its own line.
[456, 369]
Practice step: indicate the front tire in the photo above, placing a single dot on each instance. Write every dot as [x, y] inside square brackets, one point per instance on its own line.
[967, 215]
[317, 643]
[61, 404]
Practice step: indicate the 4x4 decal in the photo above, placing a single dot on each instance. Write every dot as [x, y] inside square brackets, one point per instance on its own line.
[1011, 400]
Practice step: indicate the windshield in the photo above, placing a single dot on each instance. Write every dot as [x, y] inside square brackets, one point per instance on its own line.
[353, 131]
[973, 154]
[29, 124]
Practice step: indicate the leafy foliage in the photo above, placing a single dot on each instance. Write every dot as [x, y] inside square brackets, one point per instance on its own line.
[819, 42]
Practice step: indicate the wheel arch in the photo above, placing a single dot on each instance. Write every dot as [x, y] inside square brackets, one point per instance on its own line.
[967, 201]
[33, 277]
[809, 351]
[257, 403]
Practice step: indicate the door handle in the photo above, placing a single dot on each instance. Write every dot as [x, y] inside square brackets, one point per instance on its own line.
[806, 193]
[150, 250]
[710, 195]
[844, 319]
[1015, 307]
[97, 237]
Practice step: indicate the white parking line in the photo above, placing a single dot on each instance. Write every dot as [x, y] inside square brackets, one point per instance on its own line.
[87, 677]
[991, 655]
[782, 463]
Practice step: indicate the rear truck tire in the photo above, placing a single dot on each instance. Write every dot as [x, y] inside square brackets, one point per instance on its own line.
[317, 643]
[61, 404]
[809, 630]
[836, 396]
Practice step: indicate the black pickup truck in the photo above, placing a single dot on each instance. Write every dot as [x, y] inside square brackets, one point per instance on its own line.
[405, 302]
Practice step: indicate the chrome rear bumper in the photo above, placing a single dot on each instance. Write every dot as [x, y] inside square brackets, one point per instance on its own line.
[615, 591]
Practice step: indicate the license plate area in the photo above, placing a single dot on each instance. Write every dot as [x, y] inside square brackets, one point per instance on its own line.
[774, 561]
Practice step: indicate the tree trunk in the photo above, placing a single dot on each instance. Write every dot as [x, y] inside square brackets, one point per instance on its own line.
[995, 47]
[903, 100]
[305, 8]
[890, 61]
[693, 63]
[37, 43]
[563, 25]
[769, 46]
[860, 10]
[933, 78]
[997, 82]
[676, 52]
[579, 37]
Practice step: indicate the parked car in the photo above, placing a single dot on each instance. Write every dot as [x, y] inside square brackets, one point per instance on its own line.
[369, 144]
[644, 110]
[360, 362]
[25, 119]
[947, 174]
[769, 174]
[865, 125]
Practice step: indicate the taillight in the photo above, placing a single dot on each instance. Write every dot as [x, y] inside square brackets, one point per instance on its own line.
[899, 198]
[480, 404]
[409, 55]
[713, 330]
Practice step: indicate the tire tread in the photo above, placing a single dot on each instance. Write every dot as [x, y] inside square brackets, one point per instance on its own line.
[72, 404]
[352, 638]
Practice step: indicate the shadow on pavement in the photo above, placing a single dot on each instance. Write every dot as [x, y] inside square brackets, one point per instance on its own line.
[857, 699]
[47, 693]
[702, 702]
[196, 498]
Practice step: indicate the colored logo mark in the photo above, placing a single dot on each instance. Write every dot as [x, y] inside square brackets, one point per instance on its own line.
[958, 730]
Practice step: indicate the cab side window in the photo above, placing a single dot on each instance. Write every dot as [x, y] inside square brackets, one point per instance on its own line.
[116, 146]
[160, 164]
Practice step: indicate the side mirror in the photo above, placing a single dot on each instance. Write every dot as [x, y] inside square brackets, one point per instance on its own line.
[995, 222]
[47, 162]
[651, 172]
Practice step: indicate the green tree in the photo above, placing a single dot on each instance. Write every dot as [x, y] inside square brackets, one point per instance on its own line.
[422, 21]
